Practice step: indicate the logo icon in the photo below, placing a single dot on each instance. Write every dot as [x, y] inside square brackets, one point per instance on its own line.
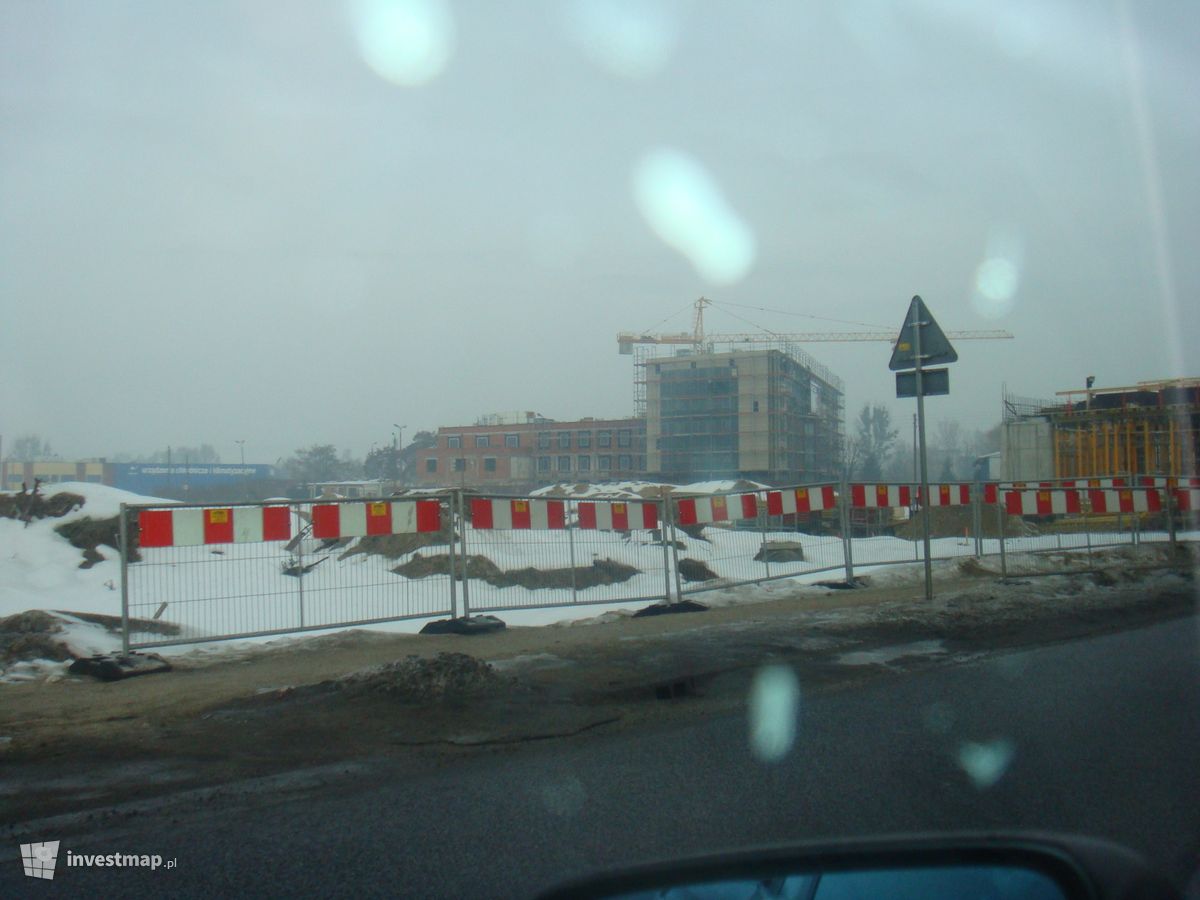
[39, 859]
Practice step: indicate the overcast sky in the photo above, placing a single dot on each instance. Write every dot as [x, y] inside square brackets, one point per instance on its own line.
[298, 222]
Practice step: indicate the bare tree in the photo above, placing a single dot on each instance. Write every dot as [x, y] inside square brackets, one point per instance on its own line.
[872, 444]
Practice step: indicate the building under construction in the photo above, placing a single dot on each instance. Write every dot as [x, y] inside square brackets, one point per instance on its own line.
[762, 414]
[1151, 428]
[745, 404]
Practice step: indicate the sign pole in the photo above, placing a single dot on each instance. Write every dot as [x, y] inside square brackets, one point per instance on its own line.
[924, 495]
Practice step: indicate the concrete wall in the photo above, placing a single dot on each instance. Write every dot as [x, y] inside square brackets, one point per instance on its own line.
[1026, 450]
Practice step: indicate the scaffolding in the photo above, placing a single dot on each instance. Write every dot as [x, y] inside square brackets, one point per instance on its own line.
[1151, 428]
[761, 414]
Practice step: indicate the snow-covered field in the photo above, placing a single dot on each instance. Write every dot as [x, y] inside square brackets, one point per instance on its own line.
[242, 588]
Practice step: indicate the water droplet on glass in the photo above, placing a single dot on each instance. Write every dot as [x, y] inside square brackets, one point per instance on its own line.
[406, 42]
[774, 712]
[985, 764]
[684, 206]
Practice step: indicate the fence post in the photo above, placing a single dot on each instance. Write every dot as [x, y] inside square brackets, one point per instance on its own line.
[977, 517]
[674, 550]
[454, 523]
[300, 561]
[1000, 519]
[762, 545]
[123, 540]
[571, 546]
[847, 543]
[1087, 531]
[667, 543]
[466, 560]
[1170, 506]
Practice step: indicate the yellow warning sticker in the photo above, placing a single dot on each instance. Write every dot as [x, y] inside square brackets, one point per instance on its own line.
[378, 509]
[520, 506]
[218, 517]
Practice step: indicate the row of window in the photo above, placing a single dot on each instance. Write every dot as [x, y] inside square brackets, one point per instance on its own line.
[583, 439]
[455, 441]
[604, 463]
[548, 439]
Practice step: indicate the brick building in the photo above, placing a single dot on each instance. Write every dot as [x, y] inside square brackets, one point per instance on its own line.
[516, 453]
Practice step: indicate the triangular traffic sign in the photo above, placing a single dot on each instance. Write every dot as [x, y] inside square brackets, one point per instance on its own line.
[935, 347]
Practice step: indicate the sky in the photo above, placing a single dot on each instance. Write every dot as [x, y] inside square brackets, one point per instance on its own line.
[289, 224]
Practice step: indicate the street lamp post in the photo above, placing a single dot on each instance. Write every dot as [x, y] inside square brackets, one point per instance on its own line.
[245, 481]
[397, 440]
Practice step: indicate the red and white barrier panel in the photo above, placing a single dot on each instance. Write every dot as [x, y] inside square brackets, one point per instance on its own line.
[1170, 481]
[880, 495]
[616, 516]
[800, 500]
[948, 494]
[717, 508]
[339, 520]
[502, 515]
[1187, 499]
[991, 492]
[1128, 500]
[219, 525]
[1041, 502]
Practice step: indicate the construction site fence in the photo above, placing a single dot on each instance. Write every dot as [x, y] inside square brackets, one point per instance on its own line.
[193, 573]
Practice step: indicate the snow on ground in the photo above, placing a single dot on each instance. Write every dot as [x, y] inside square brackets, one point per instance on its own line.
[641, 489]
[241, 588]
[100, 500]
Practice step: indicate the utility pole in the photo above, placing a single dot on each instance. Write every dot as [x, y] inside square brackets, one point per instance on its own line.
[914, 448]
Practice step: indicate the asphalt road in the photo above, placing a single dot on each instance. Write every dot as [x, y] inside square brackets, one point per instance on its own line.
[1097, 737]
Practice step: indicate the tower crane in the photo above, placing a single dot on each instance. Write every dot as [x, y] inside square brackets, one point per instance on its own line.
[640, 344]
[703, 343]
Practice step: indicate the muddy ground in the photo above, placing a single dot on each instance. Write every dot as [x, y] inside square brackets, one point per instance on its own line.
[73, 744]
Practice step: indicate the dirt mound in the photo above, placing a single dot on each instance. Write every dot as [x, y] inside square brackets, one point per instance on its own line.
[601, 571]
[952, 521]
[394, 546]
[694, 570]
[88, 534]
[29, 505]
[448, 678]
[30, 635]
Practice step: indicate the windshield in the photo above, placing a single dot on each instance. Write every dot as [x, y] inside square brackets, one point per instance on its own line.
[854, 339]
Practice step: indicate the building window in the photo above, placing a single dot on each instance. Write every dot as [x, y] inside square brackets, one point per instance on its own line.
[512, 440]
[564, 464]
[756, 410]
[623, 438]
[489, 464]
[583, 440]
[543, 464]
[605, 463]
[483, 440]
[624, 462]
[431, 464]
[604, 439]
[564, 440]
[460, 464]
[543, 440]
[584, 464]
[454, 441]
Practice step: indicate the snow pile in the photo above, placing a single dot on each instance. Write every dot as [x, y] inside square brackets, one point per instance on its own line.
[636, 490]
[611, 490]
